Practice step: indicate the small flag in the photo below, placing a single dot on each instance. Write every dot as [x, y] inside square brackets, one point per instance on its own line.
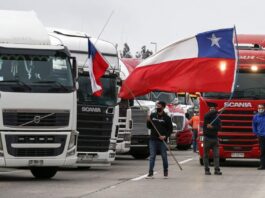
[97, 68]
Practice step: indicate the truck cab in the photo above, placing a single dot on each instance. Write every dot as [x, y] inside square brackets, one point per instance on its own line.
[125, 118]
[97, 117]
[37, 130]
[236, 138]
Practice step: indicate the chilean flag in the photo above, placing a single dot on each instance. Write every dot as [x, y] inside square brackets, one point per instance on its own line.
[97, 67]
[203, 63]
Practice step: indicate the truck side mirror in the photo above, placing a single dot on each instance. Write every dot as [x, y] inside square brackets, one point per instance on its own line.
[75, 69]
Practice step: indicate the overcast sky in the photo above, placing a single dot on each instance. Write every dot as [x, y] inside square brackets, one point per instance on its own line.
[139, 22]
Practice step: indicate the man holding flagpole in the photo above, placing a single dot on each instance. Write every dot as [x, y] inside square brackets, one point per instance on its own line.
[161, 128]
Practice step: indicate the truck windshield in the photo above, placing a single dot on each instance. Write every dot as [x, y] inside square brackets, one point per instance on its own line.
[144, 97]
[248, 86]
[162, 96]
[35, 73]
[108, 97]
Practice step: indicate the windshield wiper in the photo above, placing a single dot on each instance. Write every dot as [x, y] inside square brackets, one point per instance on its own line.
[53, 82]
[19, 82]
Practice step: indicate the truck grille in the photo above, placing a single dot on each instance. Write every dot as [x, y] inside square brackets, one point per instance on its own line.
[239, 123]
[35, 139]
[139, 122]
[140, 140]
[35, 119]
[94, 130]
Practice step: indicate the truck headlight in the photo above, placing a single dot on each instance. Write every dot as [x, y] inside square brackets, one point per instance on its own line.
[112, 146]
[201, 138]
[72, 141]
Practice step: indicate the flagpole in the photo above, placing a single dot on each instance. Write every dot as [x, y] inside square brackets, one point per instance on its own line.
[105, 25]
[170, 151]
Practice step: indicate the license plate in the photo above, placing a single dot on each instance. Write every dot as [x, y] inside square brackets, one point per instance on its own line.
[235, 155]
[35, 162]
[85, 158]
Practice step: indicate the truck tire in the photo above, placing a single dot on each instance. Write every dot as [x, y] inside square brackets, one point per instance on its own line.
[184, 147]
[43, 172]
[201, 162]
[140, 156]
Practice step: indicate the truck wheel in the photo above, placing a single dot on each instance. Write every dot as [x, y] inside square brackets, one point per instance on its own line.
[201, 161]
[183, 147]
[43, 172]
[140, 156]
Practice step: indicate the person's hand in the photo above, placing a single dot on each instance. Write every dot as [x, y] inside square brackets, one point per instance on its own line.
[148, 118]
[162, 137]
[209, 126]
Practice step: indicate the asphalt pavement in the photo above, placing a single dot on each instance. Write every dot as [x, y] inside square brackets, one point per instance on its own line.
[126, 178]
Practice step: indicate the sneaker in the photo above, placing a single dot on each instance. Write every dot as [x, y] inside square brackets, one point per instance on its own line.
[207, 172]
[217, 172]
[261, 168]
[165, 175]
[150, 176]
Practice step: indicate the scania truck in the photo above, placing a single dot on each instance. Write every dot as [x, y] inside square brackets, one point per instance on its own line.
[97, 117]
[236, 138]
[37, 129]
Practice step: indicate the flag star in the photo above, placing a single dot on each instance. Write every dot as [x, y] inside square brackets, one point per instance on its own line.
[215, 40]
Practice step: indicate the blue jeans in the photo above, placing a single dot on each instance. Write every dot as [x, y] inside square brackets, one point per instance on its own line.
[194, 139]
[154, 145]
[262, 151]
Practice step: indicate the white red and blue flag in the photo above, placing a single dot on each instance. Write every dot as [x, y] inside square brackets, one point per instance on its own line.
[203, 63]
[97, 68]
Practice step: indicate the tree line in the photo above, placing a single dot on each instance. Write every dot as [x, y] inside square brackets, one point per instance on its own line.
[142, 54]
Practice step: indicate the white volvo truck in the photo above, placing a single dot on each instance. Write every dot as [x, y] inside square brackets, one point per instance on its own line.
[97, 117]
[37, 129]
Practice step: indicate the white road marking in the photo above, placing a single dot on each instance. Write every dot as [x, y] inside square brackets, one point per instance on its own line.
[144, 176]
[141, 177]
[185, 161]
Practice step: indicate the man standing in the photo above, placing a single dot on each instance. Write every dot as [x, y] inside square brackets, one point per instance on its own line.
[194, 122]
[258, 126]
[162, 122]
[211, 126]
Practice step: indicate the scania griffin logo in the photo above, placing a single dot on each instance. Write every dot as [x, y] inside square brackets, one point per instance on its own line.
[91, 109]
[238, 104]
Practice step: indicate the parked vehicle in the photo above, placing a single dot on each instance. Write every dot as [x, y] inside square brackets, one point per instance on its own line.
[97, 117]
[38, 130]
[125, 118]
[236, 139]
[182, 133]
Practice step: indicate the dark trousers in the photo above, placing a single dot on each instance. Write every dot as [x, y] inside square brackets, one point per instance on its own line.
[262, 151]
[208, 144]
[194, 139]
[154, 145]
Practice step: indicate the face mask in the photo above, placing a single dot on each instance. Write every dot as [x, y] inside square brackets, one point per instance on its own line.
[158, 110]
[261, 110]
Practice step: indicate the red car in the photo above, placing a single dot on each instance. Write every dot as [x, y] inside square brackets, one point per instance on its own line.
[184, 137]
[181, 129]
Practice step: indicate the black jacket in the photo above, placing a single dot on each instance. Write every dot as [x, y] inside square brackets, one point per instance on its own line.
[208, 118]
[163, 124]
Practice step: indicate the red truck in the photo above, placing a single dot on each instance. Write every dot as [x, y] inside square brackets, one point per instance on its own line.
[236, 138]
